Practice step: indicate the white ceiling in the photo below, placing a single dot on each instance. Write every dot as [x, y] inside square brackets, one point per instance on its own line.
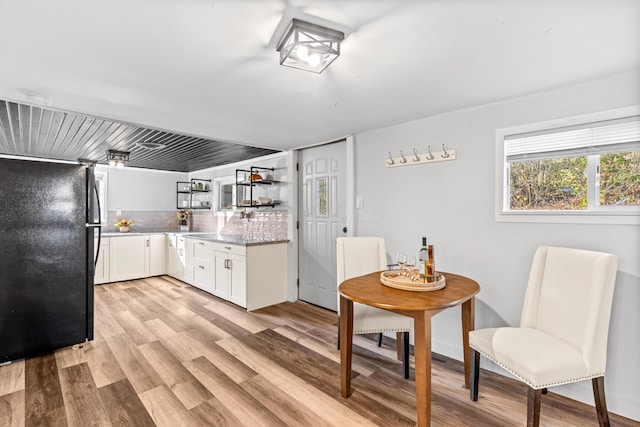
[209, 67]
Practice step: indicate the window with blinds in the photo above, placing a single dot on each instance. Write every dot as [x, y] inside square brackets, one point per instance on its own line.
[591, 167]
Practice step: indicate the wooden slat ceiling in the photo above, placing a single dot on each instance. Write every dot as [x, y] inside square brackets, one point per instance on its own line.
[34, 131]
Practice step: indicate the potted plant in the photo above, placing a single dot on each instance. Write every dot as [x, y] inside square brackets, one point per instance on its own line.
[183, 217]
[124, 225]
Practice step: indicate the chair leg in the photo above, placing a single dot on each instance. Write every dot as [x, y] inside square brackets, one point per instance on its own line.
[475, 374]
[380, 339]
[601, 402]
[405, 354]
[533, 407]
[338, 332]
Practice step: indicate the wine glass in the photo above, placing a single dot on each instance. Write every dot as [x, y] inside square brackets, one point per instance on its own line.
[400, 259]
[409, 263]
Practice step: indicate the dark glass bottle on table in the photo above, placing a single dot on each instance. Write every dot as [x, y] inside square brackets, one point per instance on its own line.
[430, 265]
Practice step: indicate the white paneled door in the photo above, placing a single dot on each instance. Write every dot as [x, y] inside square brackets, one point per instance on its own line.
[322, 210]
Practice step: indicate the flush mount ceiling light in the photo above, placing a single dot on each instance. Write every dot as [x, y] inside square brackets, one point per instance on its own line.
[150, 145]
[309, 46]
[117, 158]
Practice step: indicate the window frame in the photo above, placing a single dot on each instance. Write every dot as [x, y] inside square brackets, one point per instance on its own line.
[102, 183]
[218, 183]
[621, 215]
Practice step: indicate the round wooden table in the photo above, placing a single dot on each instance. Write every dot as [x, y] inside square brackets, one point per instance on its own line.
[420, 306]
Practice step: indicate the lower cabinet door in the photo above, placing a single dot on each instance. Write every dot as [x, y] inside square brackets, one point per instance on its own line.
[238, 284]
[222, 275]
[174, 268]
[157, 255]
[128, 258]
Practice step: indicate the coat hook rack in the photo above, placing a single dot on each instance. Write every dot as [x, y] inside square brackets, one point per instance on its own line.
[429, 157]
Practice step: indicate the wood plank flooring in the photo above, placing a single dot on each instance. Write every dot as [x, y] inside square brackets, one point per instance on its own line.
[167, 354]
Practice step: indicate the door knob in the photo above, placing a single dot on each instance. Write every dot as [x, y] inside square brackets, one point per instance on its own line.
[344, 229]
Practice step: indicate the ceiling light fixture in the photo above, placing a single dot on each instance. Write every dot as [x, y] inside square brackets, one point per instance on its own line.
[309, 47]
[117, 158]
[150, 145]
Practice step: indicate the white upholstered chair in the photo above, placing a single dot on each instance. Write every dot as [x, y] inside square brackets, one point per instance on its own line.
[563, 330]
[357, 256]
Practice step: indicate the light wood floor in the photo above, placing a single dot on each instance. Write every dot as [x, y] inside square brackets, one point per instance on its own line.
[168, 354]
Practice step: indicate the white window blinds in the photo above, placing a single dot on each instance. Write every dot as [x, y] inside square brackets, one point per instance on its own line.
[594, 138]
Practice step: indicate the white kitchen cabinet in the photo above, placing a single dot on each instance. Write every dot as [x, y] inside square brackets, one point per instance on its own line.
[128, 257]
[251, 276]
[175, 256]
[266, 275]
[222, 275]
[157, 254]
[231, 273]
[237, 266]
[134, 256]
[199, 264]
[102, 265]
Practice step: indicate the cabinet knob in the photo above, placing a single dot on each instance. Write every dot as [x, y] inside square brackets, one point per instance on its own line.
[201, 243]
[228, 247]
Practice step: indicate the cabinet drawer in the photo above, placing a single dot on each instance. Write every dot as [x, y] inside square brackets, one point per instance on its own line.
[202, 250]
[203, 274]
[232, 249]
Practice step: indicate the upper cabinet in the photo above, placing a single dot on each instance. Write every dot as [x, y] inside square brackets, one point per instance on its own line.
[247, 183]
[194, 194]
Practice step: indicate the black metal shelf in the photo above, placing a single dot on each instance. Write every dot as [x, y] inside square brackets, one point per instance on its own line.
[253, 170]
[192, 186]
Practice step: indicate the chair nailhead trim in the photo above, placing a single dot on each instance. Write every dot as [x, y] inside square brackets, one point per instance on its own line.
[569, 381]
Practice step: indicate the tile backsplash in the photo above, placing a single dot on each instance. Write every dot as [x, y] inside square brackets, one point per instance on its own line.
[144, 221]
[257, 225]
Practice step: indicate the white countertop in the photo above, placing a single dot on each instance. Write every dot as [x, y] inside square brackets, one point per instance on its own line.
[212, 237]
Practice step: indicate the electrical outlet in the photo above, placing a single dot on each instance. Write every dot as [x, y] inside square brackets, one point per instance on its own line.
[359, 202]
[118, 212]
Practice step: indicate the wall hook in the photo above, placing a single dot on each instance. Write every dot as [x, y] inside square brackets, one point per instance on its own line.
[403, 158]
[415, 156]
[390, 162]
[444, 150]
[430, 156]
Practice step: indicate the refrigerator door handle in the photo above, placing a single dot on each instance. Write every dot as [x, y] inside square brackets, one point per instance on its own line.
[97, 225]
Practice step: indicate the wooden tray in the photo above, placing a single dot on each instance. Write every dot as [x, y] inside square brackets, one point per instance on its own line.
[393, 279]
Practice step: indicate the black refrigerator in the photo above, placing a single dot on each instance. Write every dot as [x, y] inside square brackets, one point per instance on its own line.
[49, 215]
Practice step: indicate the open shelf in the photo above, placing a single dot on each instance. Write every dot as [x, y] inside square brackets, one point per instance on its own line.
[185, 191]
[241, 181]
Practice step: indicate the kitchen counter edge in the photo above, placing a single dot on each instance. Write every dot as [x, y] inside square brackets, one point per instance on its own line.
[212, 237]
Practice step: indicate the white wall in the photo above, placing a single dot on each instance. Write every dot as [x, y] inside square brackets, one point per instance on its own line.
[452, 203]
[132, 189]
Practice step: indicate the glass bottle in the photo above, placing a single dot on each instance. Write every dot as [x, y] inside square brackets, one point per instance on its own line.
[422, 257]
[430, 265]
